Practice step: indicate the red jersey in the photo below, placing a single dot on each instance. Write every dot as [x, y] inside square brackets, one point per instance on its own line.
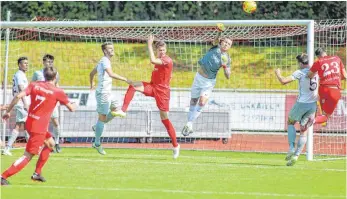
[44, 97]
[329, 70]
[161, 74]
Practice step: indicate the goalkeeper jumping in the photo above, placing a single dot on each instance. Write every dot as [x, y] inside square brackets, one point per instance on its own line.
[205, 79]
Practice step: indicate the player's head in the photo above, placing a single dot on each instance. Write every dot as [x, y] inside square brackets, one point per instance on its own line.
[107, 49]
[225, 44]
[48, 60]
[50, 73]
[302, 60]
[23, 64]
[320, 52]
[160, 46]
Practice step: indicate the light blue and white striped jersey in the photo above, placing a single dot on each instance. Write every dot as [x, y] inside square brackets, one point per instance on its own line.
[308, 88]
[20, 78]
[212, 61]
[104, 80]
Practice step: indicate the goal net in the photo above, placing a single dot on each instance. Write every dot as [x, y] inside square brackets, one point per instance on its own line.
[248, 112]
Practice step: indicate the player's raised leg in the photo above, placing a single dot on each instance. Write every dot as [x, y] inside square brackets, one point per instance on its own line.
[103, 92]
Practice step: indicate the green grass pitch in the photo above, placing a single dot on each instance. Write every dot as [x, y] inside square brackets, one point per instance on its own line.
[81, 173]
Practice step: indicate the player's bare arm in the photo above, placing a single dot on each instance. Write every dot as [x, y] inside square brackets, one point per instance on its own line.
[116, 76]
[227, 72]
[311, 74]
[154, 60]
[91, 78]
[71, 106]
[283, 80]
[14, 101]
[220, 28]
[3, 107]
[25, 104]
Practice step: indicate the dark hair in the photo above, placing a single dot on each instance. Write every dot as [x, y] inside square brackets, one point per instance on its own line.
[159, 44]
[107, 43]
[319, 51]
[21, 59]
[48, 56]
[303, 58]
[50, 73]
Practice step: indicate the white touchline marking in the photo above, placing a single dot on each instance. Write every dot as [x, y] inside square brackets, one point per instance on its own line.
[177, 191]
[230, 165]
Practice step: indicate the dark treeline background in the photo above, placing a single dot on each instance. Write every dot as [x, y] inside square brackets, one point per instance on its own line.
[172, 10]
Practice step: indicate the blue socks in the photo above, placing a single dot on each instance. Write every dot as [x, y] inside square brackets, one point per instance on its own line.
[291, 137]
[99, 129]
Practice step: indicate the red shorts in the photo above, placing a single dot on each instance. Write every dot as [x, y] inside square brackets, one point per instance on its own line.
[329, 97]
[36, 141]
[160, 94]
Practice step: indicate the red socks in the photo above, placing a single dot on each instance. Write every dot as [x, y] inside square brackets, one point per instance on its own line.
[128, 97]
[171, 131]
[17, 166]
[44, 155]
[321, 119]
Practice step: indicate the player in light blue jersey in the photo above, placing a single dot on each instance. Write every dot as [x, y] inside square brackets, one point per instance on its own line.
[20, 82]
[205, 79]
[303, 110]
[106, 107]
[48, 61]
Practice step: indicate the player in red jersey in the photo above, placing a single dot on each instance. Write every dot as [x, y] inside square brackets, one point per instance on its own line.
[331, 71]
[44, 97]
[159, 88]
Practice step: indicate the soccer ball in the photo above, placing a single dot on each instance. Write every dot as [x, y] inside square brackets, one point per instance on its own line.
[249, 6]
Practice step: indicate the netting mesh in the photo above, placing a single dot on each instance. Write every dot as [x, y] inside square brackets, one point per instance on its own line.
[252, 106]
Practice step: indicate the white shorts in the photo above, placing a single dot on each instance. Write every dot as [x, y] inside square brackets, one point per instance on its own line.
[105, 103]
[303, 113]
[202, 86]
[21, 114]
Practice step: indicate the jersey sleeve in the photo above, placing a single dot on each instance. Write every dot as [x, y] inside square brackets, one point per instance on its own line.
[315, 67]
[21, 79]
[105, 63]
[29, 89]
[297, 75]
[62, 97]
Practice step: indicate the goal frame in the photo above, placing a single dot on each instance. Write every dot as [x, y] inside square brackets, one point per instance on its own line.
[309, 24]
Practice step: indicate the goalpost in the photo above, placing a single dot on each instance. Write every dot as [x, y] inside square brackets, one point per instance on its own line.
[246, 113]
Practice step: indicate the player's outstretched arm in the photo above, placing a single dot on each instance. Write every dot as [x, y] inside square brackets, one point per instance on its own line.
[25, 104]
[91, 78]
[220, 28]
[116, 76]
[13, 103]
[311, 74]
[71, 106]
[283, 80]
[227, 72]
[152, 57]
[226, 64]
[3, 107]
